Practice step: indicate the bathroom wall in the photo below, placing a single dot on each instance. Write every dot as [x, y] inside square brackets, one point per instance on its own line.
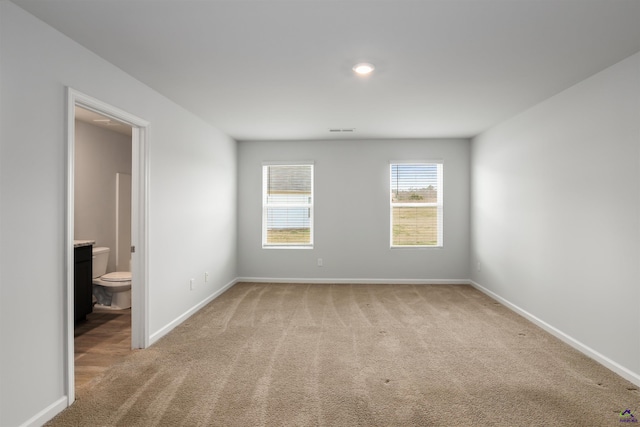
[99, 155]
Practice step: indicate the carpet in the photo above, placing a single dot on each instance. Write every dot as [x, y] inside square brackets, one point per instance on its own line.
[354, 355]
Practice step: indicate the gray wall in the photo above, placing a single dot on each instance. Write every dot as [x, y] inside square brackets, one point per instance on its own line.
[352, 212]
[556, 213]
[99, 155]
[192, 205]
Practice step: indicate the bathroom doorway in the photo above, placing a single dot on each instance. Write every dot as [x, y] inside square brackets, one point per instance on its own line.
[124, 202]
[102, 215]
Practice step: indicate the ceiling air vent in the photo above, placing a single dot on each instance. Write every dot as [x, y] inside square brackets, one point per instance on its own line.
[340, 130]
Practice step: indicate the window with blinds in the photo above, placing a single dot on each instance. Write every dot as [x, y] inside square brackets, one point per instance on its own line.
[287, 205]
[416, 204]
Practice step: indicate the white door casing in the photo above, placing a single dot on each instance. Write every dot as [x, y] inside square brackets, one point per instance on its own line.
[139, 226]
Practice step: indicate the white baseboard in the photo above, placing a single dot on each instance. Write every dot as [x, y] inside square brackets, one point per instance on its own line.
[47, 413]
[586, 350]
[168, 328]
[355, 281]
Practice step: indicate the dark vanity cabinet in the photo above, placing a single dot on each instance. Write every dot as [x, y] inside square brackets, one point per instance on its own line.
[82, 282]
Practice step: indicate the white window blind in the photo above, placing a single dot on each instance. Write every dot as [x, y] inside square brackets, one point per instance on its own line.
[416, 204]
[287, 208]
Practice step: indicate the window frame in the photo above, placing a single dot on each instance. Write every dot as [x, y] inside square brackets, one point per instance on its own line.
[439, 204]
[266, 205]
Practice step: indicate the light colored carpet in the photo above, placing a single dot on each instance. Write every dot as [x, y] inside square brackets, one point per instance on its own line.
[354, 355]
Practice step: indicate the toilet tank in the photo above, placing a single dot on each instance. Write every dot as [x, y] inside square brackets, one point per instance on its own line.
[100, 260]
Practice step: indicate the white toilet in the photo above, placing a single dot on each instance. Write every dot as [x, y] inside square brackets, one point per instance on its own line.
[111, 290]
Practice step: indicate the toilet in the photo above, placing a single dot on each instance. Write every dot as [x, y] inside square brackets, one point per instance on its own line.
[112, 291]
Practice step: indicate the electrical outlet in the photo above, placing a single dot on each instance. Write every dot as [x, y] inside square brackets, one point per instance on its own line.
[320, 262]
[192, 284]
[206, 277]
[478, 267]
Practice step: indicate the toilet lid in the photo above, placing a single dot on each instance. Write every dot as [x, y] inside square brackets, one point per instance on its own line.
[117, 276]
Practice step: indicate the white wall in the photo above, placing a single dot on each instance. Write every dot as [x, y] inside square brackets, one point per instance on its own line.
[99, 155]
[352, 212]
[556, 213]
[192, 211]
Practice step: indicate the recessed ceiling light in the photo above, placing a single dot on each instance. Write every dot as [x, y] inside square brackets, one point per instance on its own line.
[363, 68]
[105, 122]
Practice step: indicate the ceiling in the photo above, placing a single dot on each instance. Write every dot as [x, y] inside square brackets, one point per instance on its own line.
[276, 69]
[95, 119]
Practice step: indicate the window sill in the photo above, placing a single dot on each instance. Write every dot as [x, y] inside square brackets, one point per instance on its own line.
[286, 247]
[415, 247]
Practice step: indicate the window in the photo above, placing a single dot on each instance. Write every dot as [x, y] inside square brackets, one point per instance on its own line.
[416, 204]
[287, 205]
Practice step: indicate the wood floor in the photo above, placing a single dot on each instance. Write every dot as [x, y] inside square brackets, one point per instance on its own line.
[101, 341]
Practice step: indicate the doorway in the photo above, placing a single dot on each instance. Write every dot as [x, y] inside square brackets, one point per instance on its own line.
[135, 245]
[102, 216]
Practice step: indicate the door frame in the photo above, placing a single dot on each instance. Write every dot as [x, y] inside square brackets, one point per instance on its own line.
[139, 225]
